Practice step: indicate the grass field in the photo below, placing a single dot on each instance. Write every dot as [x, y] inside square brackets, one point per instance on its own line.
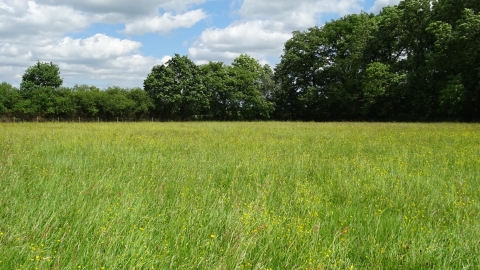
[239, 196]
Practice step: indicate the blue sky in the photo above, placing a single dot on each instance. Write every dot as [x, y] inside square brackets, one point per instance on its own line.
[117, 42]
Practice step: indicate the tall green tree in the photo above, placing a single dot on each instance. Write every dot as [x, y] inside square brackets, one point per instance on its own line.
[216, 80]
[385, 54]
[420, 91]
[454, 63]
[321, 70]
[346, 40]
[246, 78]
[40, 75]
[177, 89]
[403, 45]
[239, 91]
[296, 72]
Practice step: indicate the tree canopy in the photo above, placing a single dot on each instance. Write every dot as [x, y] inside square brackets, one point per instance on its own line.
[41, 75]
[416, 61]
[177, 89]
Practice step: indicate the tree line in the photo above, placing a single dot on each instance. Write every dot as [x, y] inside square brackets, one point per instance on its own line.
[417, 61]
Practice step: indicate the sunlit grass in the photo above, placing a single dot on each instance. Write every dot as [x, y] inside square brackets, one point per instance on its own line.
[239, 195]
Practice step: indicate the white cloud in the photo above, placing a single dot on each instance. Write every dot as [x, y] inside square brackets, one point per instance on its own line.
[128, 70]
[97, 47]
[32, 30]
[277, 8]
[7, 8]
[32, 18]
[298, 14]
[264, 27]
[379, 4]
[40, 30]
[12, 6]
[127, 7]
[100, 57]
[165, 23]
[57, 17]
[256, 38]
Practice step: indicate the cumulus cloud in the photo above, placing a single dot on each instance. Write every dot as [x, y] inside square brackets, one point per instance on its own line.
[126, 71]
[165, 23]
[259, 39]
[277, 8]
[379, 4]
[57, 17]
[6, 8]
[97, 47]
[296, 14]
[32, 18]
[99, 57]
[127, 7]
[264, 27]
[32, 30]
[40, 30]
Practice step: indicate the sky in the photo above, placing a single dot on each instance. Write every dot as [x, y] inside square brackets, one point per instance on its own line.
[117, 42]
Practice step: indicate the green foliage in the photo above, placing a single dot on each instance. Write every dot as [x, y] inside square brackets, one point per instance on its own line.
[297, 74]
[377, 86]
[239, 91]
[216, 80]
[455, 59]
[268, 86]
[177, 89]
[416, 61]
[42, 101]
[143, 104]
[88, 100]
[65, 103]
[116, 103]
[40, 75]
[451, 97]
[322, 68]
[9, 98]
[246, 75]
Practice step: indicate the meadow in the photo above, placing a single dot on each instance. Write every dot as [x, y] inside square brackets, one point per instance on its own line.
[239, 196]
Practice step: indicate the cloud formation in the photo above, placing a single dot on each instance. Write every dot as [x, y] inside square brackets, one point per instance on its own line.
[97, 47]
[264, 27]
[30, 18]
[379, 4]
[128, 8]
[259, 39]
[296, 14]
[39, 31]
[96, 57]
[65, 32]
[165, 23]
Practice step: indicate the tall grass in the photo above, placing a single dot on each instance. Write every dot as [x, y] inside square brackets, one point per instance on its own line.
[239, 196]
